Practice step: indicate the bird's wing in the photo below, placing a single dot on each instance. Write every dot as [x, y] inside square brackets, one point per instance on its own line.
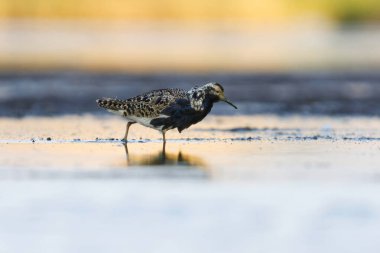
[148, 105]
[151, 104]
[152, 96]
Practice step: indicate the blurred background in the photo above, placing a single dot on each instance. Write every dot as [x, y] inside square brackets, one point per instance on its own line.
[230, 184]
[275, 56]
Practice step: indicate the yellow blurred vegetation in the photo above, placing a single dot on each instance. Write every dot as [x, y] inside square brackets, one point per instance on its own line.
[193, 10]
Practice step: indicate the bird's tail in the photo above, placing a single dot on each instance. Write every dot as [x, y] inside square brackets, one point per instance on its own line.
[112, 104]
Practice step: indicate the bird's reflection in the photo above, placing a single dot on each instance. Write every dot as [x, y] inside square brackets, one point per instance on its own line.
[162, 158]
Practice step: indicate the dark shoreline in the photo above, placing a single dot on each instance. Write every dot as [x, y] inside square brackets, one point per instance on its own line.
[73, 92]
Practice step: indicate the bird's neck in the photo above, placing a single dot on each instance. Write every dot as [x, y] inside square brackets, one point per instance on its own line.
[200, 100]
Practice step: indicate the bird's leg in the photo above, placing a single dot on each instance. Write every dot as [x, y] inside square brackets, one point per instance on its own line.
[163, 148]
[126, 152]
[126, 148]
[163, 136]
[127, 130]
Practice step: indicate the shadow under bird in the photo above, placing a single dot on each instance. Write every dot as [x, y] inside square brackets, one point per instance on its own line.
[167, 109]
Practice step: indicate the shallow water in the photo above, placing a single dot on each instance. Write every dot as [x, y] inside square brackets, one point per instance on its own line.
[228, 184]
[235, 148]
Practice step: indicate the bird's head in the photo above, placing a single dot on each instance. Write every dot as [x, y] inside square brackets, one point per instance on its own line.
[216, 92]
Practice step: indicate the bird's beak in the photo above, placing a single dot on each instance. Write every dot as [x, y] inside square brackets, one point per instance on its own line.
[228, 102]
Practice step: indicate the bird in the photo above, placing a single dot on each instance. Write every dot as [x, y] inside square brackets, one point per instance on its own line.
[166, 109]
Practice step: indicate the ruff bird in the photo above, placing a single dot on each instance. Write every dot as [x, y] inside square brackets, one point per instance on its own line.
[167, 109]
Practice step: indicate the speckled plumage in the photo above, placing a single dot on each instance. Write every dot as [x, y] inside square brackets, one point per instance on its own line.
[167, 109]
[147, 105]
